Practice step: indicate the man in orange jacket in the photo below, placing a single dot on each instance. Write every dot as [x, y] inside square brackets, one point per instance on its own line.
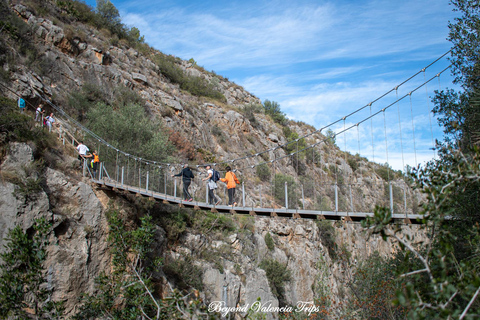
[232, 181]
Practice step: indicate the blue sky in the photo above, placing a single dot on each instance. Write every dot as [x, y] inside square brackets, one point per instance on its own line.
[320, 60]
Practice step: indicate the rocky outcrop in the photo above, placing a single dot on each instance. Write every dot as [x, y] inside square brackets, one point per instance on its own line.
[78, 247]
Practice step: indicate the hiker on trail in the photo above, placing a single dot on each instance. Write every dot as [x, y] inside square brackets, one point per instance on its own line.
[232, 181]
[50, 121]
[187, 176]
[82, 152]
[95, 162]
[21, 104]
[39, 112]
[211, 185]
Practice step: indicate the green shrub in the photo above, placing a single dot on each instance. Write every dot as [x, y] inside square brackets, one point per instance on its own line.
[327, 235]
[263, 172]
[375, 288]
[277, 275]
[269, 241]
[22, 276]
[174, 223]
[168, 67]
[184, 273]
[272, 109]
[330, 136]
[81, 101]
[201, 87]
[130, 129]
[353, 162]
[210, 221]
[249, 112]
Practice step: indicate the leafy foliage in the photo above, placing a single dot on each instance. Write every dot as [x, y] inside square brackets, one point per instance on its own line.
[263, 172]
[328, 237]
[272, 109]
[130, 129]
[269, 241]
[374, 286]
[21, 274]
[197, 86]
[277, 275]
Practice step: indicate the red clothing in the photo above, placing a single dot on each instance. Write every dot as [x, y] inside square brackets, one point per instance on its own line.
[230, 179]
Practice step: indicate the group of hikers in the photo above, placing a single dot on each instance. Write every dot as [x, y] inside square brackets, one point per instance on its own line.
[186, 173]
[48, 121]
[83, 156]
[212, 178]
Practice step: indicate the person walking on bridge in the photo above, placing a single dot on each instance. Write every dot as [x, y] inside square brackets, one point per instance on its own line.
[95, 162]
[211, 185]
[232, 181]
[187, 177]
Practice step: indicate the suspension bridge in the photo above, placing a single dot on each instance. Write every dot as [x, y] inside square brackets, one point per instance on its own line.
[339, 193]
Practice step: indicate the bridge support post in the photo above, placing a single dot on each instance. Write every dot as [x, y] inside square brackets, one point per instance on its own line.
[123, 171]
[303, 199]
[139, 176]
[146, 184]
[391, 197]
[336, 197]
[286, 195]
[351, 200]
[261, 204]
[206, 194]
[175, 188]
[243, 194]
[100, 174]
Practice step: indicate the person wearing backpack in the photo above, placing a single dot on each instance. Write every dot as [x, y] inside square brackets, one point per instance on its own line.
[187, 177]
[213, 177]
[21, 104]
[232, 181]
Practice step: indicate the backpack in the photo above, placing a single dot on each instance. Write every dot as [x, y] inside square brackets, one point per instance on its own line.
[215, 175]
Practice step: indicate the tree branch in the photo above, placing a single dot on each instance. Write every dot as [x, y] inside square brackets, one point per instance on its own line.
[464, 313]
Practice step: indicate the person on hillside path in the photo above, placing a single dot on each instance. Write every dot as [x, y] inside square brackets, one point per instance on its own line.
[187, 177]
[82, 153]
[39, 113]
[211, 185]
[50, 121]
[21, 104]
[232, 181]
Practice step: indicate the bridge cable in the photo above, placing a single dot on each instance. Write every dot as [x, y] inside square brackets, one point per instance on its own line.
[429, 117]
[403, 157]
[413, 129]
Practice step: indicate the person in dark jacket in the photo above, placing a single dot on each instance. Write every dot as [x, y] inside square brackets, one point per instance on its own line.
[187, 177]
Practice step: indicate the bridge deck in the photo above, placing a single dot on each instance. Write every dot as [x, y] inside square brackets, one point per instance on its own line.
[270, 212]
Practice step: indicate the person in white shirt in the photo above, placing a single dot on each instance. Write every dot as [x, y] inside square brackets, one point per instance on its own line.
[50, 121]
[211, 185]
[82, 152]
[39, 112]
